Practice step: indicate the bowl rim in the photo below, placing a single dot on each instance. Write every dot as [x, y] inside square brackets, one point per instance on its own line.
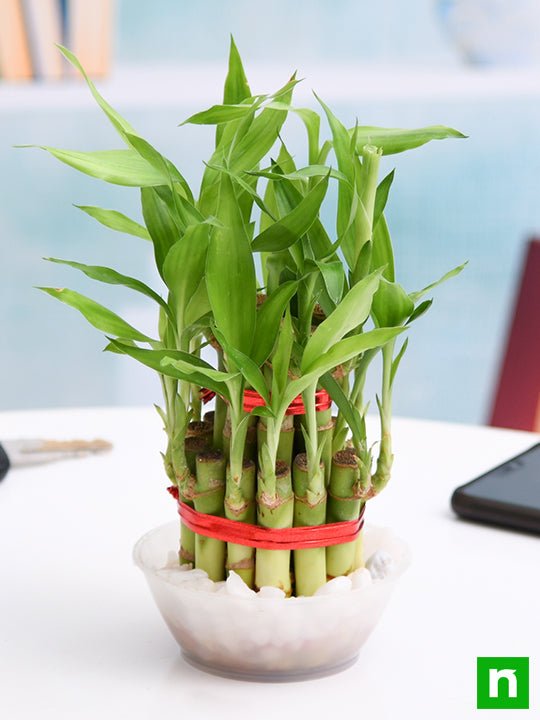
[376, 586]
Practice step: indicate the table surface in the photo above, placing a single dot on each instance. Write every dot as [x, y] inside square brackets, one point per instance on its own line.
[80, 637]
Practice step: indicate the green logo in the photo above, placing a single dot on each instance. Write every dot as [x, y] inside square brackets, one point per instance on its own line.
[502, 682]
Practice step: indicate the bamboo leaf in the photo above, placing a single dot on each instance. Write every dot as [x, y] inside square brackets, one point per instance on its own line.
[281, 359]
[160, 223]
[381, 196]
[183, 267]
[382, 254]
[269, 317]
[247, 367]
[349, 411]
[340, 353]
[230, 273]
[119, 123]
[97, 315]
[297, 222]
[236, 86]
[415, 296]
[351, 313]
[112, 277]
[160, 163]
[119, 167]
[198, 305]
[162, 361]
[217, 114]
[396, 140]
[397, 360]
[115, 221]
[391, 304]
[419, 311]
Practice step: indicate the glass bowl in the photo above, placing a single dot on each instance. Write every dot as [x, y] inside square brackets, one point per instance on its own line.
[262, 636]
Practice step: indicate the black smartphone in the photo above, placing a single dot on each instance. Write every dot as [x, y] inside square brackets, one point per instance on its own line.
[508, 495]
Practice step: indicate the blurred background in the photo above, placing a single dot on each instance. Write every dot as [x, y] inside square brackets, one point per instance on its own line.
[470, 64]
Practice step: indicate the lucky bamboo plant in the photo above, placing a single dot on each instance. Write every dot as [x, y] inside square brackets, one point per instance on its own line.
[287, 308]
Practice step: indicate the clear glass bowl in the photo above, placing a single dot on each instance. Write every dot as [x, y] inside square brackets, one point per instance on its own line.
[266, 638]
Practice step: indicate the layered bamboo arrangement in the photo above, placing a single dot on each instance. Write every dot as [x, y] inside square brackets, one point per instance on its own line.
[286, 308]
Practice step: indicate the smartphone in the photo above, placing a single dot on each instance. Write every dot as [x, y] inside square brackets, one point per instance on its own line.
[508, 495]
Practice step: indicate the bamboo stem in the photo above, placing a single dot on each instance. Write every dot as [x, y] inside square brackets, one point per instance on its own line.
[309, 510]
[208, 498]
[343, 505]
[240, 506]
[276, 510]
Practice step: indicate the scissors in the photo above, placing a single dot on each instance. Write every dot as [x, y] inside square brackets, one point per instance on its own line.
[20, 453]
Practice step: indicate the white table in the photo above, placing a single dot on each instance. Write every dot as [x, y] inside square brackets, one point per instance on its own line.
[81, 639]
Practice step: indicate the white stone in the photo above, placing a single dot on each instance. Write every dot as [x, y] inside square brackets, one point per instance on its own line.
[380, 565]
[236, 586]
[271, 593]
[361, 578]
[336, 585]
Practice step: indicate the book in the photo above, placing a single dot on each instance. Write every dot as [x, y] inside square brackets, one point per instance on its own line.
[44, 28]
[15, 62]
[89, 30]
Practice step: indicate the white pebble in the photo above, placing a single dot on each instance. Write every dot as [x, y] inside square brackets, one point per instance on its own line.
[272, 593]
[361, 578]
[179, 575]
[336, 585]
[380, 565]
[236, 586]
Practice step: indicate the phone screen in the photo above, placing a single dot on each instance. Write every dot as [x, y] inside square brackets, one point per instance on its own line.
[517, 482]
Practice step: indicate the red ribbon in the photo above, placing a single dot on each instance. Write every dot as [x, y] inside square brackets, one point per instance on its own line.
[297, 538]
[252, 399]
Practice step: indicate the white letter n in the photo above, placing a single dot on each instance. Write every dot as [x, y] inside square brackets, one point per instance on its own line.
[494, 678]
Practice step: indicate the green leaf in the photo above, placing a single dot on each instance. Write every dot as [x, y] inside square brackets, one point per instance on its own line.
[236, 86]
[340, 353]
[396, 140]
[198, 306]
[160, 163]
[302, 174]
[419, 311]
[382, 254]
[347, 408]
[122, 126]
[262, 134]
[230, 273]
[247, 188]
[351, 313]
[381, 196]
[219, 114]
[162, 361]
[160, 223]
[396, 361]
[115, 221]
[183, 267]
[119, 167]
[269, 317]
[415, 296]
[112, 277]
[281, 360]
[391, 305]
[247, 367]
[333, 275]
[100, 317]
[291, 227]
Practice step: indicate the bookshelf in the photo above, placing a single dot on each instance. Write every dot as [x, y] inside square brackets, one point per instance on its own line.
[184, 85]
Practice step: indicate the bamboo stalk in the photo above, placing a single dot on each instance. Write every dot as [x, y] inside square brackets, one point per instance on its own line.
[343, 505]
[240, 506]
[309, 510]
[272, 567]
[200, 428]
[286, 438]
[208, 498]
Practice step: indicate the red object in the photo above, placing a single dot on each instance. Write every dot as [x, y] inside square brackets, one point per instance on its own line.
[252, 399]
[516, 402]
[297, 538]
